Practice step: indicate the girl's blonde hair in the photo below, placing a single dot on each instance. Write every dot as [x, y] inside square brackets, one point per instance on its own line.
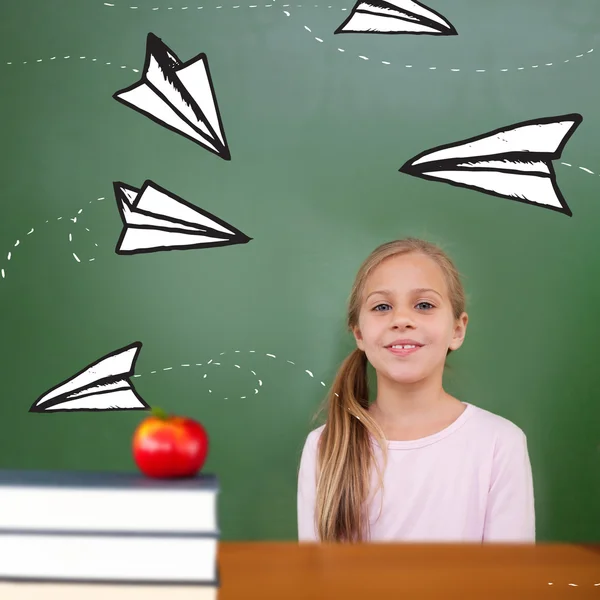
[345, 452]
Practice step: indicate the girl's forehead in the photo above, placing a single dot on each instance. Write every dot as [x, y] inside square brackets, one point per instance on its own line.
[407, 272]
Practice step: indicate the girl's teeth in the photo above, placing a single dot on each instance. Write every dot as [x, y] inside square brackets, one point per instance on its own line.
[404, 347]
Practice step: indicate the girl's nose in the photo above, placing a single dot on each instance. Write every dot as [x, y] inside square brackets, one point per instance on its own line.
[402, 318]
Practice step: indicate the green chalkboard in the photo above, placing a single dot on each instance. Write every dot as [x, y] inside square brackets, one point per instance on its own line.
[317, 127]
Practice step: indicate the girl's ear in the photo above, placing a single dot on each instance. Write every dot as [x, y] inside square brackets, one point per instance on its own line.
[460, 330]
[358, 337]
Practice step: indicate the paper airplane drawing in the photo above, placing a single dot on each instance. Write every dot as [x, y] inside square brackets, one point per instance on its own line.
[103, 385]
[179, 96]
[512, 162]
[393, 17]
[155, 220]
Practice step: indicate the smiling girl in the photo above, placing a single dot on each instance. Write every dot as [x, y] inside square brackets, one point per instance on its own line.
[415, 464]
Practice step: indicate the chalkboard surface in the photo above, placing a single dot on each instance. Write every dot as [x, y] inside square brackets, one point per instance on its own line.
[286, 156]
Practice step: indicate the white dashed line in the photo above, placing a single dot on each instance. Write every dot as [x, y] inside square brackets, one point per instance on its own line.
[435, 68]
[237, 366]
[18, 241]
[40, 60]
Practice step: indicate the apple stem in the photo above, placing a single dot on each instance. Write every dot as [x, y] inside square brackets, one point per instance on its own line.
[159, 413]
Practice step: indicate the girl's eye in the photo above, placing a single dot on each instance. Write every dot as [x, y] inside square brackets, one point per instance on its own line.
[425, 304]
[379, 306]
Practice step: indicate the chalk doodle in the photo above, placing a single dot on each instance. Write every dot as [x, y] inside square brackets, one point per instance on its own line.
[394, 17]
[387, 63]
[374, 3]
[67, 57]
[75, 256]
[212, 363]
[3, 270]
[102, 385]
[575, 584]
[179, 96]
[105, 384]
[512, 162]
[584, 169]
[163, 8]
[155, 219]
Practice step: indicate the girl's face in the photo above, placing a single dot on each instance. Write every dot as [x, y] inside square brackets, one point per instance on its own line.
[406, 324]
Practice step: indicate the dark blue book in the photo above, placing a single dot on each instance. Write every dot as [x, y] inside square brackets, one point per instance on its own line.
[100, 501]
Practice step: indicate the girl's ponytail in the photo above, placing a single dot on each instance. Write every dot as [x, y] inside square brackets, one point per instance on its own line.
[345, 454]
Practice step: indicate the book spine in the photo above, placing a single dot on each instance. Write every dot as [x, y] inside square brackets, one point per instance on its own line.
[116, 533]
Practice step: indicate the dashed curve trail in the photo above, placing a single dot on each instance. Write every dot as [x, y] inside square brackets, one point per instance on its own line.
[47, 60]
[212, 363]
[320, 39]
[584, 169]
[451, 69]
[17, 243]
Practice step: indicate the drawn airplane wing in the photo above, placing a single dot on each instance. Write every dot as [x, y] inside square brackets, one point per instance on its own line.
[395, 16]
[179, 96]
[155, 219]
[513, 162]
[103, 385]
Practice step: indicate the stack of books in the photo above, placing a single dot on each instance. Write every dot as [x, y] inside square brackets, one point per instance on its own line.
[102, 535]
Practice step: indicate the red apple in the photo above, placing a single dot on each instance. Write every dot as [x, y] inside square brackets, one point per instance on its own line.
[167, 446]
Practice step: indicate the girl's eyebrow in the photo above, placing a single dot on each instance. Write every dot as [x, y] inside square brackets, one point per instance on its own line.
[423, 290]
[415, 291]
[382, 292]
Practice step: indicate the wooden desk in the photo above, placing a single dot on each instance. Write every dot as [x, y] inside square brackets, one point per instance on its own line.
[288, 571]
[292, 571]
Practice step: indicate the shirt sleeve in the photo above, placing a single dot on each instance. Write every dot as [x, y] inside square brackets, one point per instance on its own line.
[510, 515]
[307, 490]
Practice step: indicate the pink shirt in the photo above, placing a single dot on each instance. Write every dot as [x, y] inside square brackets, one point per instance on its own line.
[470, 482]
